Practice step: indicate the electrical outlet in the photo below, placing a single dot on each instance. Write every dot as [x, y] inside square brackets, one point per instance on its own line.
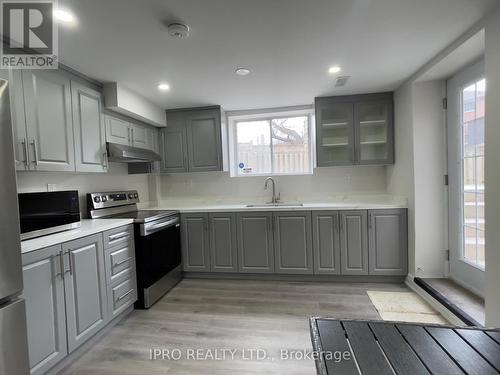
[51, 187]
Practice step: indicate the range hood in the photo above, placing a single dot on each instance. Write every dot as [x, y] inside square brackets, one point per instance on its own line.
[130, 154]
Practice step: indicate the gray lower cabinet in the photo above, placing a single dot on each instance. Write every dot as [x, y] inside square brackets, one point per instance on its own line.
[293, 242]
[47, 103]
[255, 242]
[223, 242]
[354, 242]
[388, 242]
[195, 242]
[85, 288]
[89, 129]
[326, 242]
[45, 309]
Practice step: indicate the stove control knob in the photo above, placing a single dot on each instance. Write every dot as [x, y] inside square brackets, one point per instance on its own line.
[136, 195]
[97, 199]
[130, 196]
[104, 198]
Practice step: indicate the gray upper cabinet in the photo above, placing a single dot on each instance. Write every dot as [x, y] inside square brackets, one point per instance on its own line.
[17, 117]
[388, 243]
[173, 150]
[89, 129]
[326, 242]
[195, 242]
[192, 141]
[293, 242]
[355, 129]
[45, 312]
[47, 102]
[125, 133]
[374, 131]
[223, 243]
[334, 132]
[85, 288]
[255, 242]
[204, 140]
[354, 242]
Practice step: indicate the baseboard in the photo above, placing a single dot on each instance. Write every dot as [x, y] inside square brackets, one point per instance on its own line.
[84, 348]
[447, 314]
[294, 278]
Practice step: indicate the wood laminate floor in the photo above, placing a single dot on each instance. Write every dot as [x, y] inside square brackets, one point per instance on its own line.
[250, 317]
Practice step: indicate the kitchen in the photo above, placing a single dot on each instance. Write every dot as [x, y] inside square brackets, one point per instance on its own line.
[164, 212]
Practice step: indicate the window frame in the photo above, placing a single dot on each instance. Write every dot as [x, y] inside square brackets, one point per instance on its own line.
[268, 115]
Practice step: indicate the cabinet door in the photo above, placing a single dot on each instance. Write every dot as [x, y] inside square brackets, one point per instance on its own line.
[85, 288]
[195, 242]
[293, 242]
[204, 140]
[140, 136]
[388, 243]
[49, 123]
[45, 314]
[117, 131]
[374, 132]
[223, 243]
[17, 117]
[326, 242]
[89, 129]
[334, 133]
[173, 150]
[255, 242]
[354, 242]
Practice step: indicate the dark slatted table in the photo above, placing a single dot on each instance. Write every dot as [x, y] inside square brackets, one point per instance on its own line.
[372, 347]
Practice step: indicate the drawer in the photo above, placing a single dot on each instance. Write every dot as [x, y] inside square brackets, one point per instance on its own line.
[120, 260]
[117, 236]
[123, 294]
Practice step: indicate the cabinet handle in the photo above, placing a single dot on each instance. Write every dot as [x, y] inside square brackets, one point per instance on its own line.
[24, 142]
[70, 270]
[105, 162]
[118, 236]
[35, 150]
[122, 261]
[125, 295]
[61, 264]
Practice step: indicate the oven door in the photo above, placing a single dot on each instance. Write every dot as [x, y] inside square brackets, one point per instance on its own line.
[158, 250]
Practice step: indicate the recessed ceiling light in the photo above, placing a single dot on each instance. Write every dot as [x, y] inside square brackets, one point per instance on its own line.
[242, 71]
[334, 69]
[64, 16]
[163, 87]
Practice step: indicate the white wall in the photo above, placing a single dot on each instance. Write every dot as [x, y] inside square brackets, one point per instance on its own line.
[116, 179]
[429, 154]
[400, 176]
[492, 169]
[325, 183]
[418, 173]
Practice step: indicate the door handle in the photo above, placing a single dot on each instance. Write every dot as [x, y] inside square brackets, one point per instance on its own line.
[35, 151]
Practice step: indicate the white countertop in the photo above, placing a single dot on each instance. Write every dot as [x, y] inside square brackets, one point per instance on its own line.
[341, 203]
[87, 228]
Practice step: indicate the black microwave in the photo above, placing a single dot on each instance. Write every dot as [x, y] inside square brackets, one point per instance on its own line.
[45, 213]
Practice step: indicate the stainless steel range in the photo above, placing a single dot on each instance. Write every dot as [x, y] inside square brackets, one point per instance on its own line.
[157, 241]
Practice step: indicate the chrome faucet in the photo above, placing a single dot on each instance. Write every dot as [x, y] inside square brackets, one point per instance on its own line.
[275, 199]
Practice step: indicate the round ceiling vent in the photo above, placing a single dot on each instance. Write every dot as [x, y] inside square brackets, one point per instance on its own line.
[178, 30]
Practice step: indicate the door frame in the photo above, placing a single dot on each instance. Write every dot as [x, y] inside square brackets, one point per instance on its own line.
[461, 271]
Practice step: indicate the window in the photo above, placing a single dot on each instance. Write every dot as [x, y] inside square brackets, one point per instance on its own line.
[271, 145]
[472, 120]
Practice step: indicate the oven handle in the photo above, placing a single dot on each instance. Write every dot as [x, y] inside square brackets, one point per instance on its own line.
[150, 228]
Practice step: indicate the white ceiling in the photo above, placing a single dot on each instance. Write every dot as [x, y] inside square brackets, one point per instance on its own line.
[287, 44]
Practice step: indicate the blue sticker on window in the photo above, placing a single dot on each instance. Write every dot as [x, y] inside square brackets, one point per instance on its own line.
[241, 165]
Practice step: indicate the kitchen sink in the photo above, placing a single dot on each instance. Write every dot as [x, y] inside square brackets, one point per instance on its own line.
[280, 204]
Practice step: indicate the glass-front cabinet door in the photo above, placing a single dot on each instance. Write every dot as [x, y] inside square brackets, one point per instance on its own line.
[374, 139]
[334, 133]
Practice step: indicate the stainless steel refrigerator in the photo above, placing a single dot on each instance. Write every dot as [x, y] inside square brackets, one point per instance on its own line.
[13, 337]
